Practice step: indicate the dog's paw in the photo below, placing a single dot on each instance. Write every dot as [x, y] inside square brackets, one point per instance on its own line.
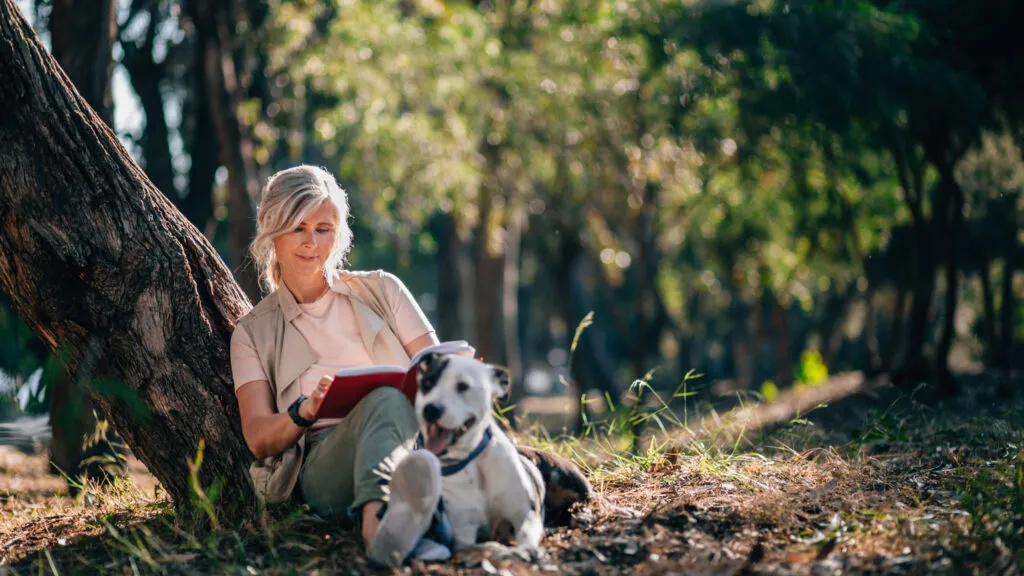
[498, 552]
[531, 554]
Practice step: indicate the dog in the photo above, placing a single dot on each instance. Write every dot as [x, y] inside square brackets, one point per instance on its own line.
[488, 488]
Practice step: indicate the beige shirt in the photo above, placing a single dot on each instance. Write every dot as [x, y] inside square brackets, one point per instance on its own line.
[329, 327]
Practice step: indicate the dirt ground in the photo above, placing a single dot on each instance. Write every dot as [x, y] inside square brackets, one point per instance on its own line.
[879, 481]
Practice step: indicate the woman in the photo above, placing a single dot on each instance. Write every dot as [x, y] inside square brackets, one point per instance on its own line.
[319, 318]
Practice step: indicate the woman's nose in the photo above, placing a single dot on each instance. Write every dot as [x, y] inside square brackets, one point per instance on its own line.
[310, 238]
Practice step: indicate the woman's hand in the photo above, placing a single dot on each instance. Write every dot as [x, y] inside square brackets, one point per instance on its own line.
[311, 406]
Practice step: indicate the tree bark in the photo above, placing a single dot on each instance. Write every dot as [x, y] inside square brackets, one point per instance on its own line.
[911, 169]
[783, 344]
[953, 216]
[82, 38]
[989, 311]
[647, 335]
[872, 356]
[146, 75]
[83, 34]
[895, 339]
[103, 268]
[213, 21]
[1007, 309]
[489, 267]
[510, 297]
[197, 205]
[449, 303]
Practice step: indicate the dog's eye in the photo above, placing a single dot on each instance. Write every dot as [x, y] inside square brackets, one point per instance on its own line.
[462, 387]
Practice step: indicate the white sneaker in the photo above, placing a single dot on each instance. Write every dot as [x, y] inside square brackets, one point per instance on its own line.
[415, 489]
[429, 551]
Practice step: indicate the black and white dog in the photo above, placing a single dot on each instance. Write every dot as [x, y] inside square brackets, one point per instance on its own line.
[488, 487]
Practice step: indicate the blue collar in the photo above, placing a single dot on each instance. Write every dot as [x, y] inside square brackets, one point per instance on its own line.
[459, 465]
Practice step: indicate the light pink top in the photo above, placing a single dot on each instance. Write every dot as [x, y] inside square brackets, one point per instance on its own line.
[329, 327]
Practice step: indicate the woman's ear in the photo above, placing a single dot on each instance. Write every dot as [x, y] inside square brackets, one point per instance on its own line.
[501, 380]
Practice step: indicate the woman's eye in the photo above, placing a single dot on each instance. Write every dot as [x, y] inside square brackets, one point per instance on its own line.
[323, 230]
[462, 387]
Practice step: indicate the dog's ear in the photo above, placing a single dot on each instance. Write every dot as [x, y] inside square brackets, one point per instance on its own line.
[501, 381]
[429, 369]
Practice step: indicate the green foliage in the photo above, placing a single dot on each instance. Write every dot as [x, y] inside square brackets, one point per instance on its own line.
[812, 370]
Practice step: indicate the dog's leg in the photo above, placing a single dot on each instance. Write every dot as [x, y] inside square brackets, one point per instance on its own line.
[465, 534]
[529, 534]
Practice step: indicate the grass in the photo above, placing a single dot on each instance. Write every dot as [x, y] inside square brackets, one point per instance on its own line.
[876, 481]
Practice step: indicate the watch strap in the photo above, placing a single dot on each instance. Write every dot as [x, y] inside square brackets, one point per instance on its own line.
[293, 412]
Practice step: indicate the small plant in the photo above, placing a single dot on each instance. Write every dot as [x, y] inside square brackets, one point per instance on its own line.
[811, 370]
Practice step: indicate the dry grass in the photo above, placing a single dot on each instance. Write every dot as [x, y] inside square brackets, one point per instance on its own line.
[878, 482]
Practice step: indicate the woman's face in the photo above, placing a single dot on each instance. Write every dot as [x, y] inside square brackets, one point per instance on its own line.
[303, 251]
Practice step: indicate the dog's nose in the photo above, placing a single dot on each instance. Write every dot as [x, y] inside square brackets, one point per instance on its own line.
[432, 412]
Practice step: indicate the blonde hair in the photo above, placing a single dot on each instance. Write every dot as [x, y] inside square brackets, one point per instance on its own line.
[288, 198]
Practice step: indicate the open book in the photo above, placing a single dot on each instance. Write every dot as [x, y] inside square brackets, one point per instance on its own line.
[351, 385]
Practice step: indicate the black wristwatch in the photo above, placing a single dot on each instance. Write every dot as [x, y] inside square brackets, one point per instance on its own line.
[293, 411]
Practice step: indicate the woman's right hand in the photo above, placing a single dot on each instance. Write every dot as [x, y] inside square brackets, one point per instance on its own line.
[311, 406]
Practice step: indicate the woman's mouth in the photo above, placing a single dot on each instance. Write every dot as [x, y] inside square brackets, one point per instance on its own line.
[437, 438]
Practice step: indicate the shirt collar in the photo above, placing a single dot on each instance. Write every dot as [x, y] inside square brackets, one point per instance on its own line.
[290, 307]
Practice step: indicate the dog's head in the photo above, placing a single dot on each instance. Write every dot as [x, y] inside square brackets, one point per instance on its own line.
[453, 402]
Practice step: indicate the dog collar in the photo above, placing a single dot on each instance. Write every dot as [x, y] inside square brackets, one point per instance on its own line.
[460, 465]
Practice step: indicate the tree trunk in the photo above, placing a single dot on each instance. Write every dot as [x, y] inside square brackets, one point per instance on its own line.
[214, 22]
[146, 76]
[895, 340]
[203, 151]
[911, 170]
[449, 303]
[510, 297]
[923, 290]
[783, 356]
[489, 267]
[953, 215]
[103, 268]
[82, 33]
[989, 312]
[82, 39]
[645, 336]
[1007, 309]
[873, 358]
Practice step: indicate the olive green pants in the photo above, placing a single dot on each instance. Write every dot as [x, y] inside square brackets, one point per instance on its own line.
[342, 468]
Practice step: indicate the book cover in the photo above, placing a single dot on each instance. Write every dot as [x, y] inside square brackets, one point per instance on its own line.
[351, 385]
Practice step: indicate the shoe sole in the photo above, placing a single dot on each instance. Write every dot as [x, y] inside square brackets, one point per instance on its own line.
[417, 483]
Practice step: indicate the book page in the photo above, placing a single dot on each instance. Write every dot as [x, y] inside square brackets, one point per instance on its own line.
[460, 347]
[385, 369]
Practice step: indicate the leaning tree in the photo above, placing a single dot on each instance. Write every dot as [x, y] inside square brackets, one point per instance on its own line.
[104, 269]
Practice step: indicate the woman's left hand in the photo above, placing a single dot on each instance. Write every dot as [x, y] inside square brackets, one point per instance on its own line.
[311, 406]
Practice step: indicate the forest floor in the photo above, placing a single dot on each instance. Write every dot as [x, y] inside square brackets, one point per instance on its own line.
[846, 477]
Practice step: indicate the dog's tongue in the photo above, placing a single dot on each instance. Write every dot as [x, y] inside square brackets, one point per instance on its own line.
[437, 439]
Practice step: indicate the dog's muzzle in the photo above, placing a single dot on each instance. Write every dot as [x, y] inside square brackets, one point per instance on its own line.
[437, 438]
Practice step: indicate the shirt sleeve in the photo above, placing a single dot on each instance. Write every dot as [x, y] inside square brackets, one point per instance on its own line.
[245, 363]
[410, 321]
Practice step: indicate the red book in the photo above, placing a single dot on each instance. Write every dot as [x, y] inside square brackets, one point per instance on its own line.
[350, 385]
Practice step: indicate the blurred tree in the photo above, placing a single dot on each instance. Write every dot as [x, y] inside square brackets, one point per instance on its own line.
[149, 79]
[909, 75]
[992, 176]
[217, 24]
